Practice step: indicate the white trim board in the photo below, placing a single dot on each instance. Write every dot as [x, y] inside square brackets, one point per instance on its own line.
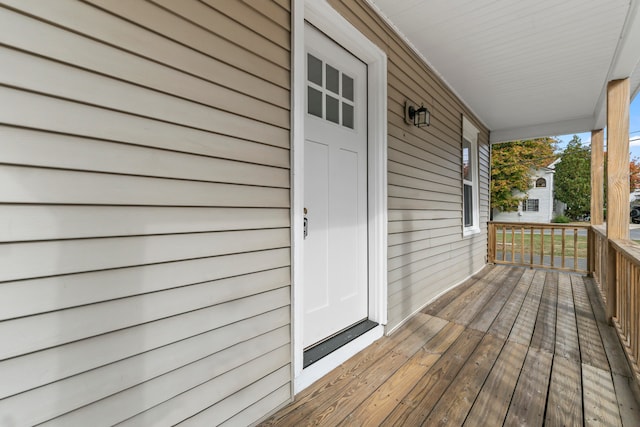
[321, 15]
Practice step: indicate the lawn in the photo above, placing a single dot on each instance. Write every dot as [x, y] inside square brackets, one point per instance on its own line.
[520, 239]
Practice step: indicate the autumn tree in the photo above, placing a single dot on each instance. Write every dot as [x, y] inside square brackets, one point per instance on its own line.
[572, 179]
[634, 174]
[511, 165]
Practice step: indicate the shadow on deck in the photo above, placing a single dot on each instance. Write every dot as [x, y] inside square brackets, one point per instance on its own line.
[510, 346]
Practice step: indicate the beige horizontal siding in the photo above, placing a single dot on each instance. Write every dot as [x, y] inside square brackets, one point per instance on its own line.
[145, 240]
[427, 252]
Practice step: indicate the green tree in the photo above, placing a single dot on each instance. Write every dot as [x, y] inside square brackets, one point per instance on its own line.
[572, 179]
[511, 164]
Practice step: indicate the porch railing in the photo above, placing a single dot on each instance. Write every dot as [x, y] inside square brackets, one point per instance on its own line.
[553, 246]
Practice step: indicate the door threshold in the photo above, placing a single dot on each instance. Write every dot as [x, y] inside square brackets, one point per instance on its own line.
[328, 346]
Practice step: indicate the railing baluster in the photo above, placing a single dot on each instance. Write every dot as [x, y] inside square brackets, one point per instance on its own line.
[521, 245]
[513, 245]
[531, 231]
[575, 249]
[553, 249]
[504, 245]
[564, 246]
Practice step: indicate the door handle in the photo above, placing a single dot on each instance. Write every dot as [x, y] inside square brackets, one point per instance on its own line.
[305, 227]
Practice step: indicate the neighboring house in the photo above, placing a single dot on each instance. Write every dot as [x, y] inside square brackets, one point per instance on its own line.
[538, 205]
[195, 193]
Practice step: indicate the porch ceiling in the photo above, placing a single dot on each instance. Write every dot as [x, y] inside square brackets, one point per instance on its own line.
[526, 68]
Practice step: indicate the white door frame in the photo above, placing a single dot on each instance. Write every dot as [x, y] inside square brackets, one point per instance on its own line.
[321, 15]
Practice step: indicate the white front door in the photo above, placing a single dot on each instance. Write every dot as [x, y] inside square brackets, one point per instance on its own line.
[335, 189]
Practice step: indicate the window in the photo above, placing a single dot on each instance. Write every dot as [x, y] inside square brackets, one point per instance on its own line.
[330, 93]
[541, 183]
[470, 208]
[531, 205]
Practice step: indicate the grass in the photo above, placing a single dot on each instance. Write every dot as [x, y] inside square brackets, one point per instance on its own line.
[538, 244]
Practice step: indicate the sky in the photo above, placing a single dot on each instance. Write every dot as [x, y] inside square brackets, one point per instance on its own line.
[634, 131]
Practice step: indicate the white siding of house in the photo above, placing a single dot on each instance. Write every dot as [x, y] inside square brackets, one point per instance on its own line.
[544, 195]
[144, 211]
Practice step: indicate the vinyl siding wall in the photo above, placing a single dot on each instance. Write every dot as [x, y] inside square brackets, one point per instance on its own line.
[427, 252]
[144, 211]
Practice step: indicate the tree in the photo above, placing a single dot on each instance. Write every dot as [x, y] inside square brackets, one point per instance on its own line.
[573, 179]
[634, 174]
[511, 164]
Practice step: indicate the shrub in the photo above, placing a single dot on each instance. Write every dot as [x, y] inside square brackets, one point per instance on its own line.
[561, 219]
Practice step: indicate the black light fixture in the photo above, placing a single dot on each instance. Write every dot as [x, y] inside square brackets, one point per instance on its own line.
[419, 117]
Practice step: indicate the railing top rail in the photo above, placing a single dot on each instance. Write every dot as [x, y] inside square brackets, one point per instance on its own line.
[541, 225]
[627, 248]
[600, 229]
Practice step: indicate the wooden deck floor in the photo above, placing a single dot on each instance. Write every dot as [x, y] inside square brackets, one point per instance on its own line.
[511, 346]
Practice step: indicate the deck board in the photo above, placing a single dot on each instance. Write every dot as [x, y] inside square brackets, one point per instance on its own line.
[511, 346]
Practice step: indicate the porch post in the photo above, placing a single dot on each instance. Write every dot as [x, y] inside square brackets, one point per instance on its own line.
[597, 190]
[597, 176]
[617, 180]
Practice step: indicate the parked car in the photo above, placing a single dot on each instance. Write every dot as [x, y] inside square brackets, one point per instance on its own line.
[635, 214]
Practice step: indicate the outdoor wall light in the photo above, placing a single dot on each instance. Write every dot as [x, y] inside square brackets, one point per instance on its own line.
[419, 117]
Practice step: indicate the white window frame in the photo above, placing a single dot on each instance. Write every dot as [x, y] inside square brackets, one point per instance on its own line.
[527, 202]
[470, 134]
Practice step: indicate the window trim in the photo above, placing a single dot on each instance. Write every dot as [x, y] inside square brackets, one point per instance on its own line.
[470, 134]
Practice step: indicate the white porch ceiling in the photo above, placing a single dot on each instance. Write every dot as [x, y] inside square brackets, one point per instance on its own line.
[526, 68]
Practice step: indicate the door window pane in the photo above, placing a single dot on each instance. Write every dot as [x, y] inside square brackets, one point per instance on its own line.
[347, 87]
[333, 80]
[347, 115]
[314, 102]
[333, 109]
[314, 70]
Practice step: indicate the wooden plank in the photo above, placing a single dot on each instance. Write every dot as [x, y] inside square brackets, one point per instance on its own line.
[597, 176]
[418, 403]
[569, 336]
[172, 64]
[503, 323]
[564, 406]
[35, 333]
[41, 222]
[379, 404]
[127, 375]
[64, 187]
[617, 160]
[591, 343]
[523, 327]
[485, 318]
[347, 400]
[74, 256]
[445, 299]
[33, 296]
[338, 379]
[466, 386]
[529, 398]
[208, 326]
[600, 408]
[625, 397]
[544, 335]
[493, 401]
[178, 395]
[464, 308]
[61, 116]
[22, 147]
